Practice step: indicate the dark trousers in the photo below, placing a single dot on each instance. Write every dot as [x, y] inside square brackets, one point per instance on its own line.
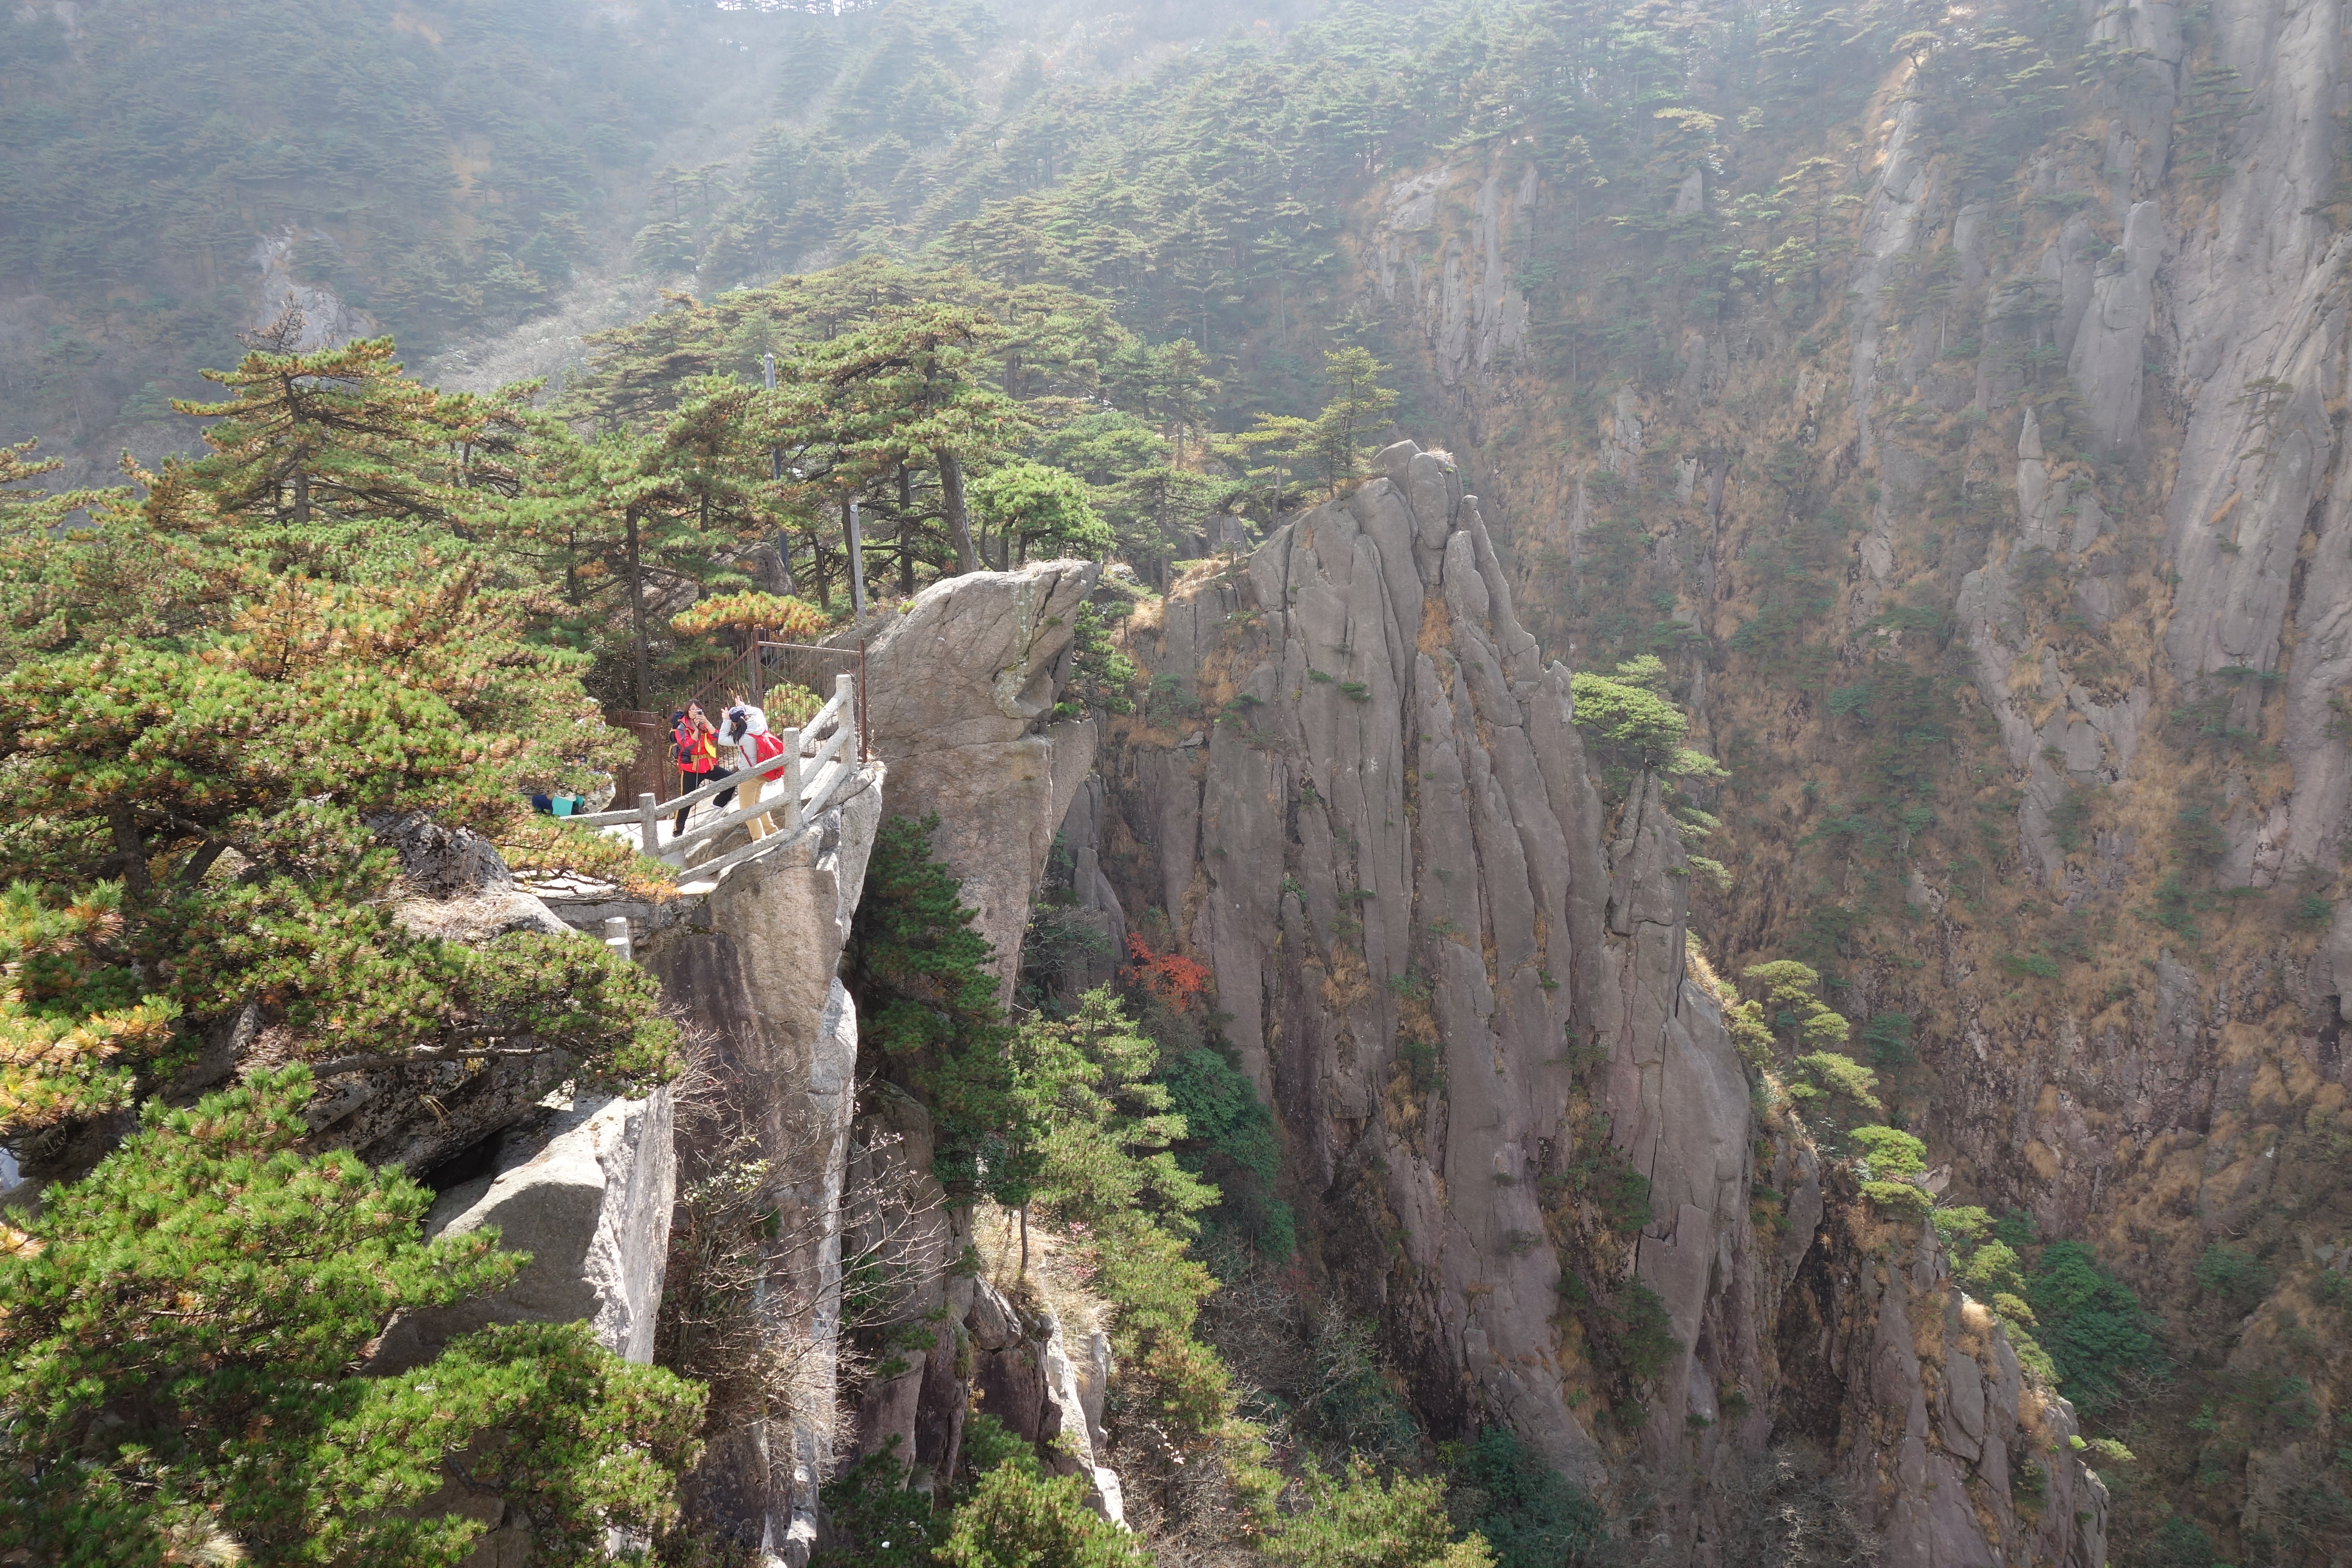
[692, 782]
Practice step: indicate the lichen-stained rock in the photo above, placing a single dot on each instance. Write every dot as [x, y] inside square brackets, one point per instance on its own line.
[2161, 636]
[1461, 297]
[1094, 907]
[1073, 1434]
[961, 692]
[1904, 190]
[2081, 742]
[2319, 819]
[899, 1225]
[417, 1117]
[2329, 981]
[456, 885]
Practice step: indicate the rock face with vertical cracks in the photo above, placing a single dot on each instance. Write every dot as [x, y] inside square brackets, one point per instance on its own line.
[755, 963]
[1956, 1458]
[1458, 977]
[961, 693]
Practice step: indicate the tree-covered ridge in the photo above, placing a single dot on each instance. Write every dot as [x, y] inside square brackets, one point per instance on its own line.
[922, 395]
[1698, 174]
[223, 690]
[1207, 198]
[444, 169]
[219, 690]
[438, 166]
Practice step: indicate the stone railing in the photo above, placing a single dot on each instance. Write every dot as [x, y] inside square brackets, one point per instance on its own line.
[823, 763]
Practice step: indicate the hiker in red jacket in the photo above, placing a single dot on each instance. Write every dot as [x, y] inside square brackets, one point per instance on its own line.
[694, 748]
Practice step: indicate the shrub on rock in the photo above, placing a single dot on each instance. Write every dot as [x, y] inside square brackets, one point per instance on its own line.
[176, 1356]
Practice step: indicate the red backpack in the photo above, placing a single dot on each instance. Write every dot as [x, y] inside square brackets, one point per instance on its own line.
[766, 746]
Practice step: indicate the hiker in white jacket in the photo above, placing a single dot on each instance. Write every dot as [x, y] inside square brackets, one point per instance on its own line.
[745, 728]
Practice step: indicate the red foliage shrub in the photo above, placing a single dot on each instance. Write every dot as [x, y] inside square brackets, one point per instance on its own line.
[1171, 977]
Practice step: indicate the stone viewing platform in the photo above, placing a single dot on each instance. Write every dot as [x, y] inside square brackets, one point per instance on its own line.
[824, 764]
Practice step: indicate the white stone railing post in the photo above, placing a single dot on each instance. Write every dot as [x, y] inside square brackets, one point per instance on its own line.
[815, 775]
[791, 823]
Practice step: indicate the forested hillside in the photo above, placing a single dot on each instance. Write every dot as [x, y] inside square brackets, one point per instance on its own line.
[1918, 427]
[438, 168]
[440, 171]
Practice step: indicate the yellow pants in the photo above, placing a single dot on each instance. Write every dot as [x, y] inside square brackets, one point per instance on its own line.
[749, 794]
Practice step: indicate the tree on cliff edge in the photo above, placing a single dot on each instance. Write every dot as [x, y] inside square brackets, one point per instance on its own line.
[176, 1367]
[209, 700]
[213, 700]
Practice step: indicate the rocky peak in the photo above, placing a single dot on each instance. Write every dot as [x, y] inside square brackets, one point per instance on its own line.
[1460, 978]
[960, 701]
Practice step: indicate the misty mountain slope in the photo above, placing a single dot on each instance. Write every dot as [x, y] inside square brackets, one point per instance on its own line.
[434, 168]
[1948, 399]
[2001, 564]
[485, 182]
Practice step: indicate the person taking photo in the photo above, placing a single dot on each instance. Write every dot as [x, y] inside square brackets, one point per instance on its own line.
[694, 749]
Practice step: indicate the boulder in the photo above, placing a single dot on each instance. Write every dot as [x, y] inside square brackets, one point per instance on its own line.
[1931, 1409]
[1024, 1374]
[456, 885]
[588, 1196]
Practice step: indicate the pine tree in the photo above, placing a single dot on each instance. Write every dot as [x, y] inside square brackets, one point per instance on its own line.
[1356, 409]
[1185, 390]
[177, 1361]
[896, 387]
[319, 461]
[909, 385]
[192, 793]
[1031, 504]
[1019, 1517]
[709, 454]
[927, 1008]
[26, 506]
[133, 771]
[114, 575]
[1288, 439]
[189, 786]
[1353, 1521]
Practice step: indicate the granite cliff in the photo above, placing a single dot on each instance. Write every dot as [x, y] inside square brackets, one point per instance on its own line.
[1460, 976]
[2004, 563]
